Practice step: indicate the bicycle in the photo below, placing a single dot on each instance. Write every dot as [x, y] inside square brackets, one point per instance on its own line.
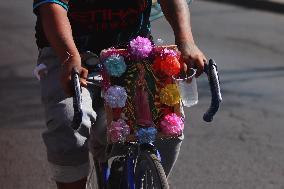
[139, 166]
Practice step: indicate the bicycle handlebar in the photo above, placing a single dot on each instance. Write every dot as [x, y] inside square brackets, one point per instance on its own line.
[77, 99]
[210, 69]
[212, 73]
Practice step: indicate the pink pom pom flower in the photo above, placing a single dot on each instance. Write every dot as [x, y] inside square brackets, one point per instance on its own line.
[172, 125]
[118, 131]
[140, 48]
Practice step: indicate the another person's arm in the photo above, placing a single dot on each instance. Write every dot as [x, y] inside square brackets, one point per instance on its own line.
[58, 32]
[178, 15]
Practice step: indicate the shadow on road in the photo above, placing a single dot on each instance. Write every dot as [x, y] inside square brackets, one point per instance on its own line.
[20, 100]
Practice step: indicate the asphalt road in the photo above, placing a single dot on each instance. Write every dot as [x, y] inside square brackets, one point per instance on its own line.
[243, 148]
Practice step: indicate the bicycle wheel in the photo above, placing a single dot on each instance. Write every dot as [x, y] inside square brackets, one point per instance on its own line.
[149, 173]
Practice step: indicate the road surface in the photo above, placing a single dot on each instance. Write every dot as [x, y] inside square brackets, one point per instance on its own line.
[243, 148]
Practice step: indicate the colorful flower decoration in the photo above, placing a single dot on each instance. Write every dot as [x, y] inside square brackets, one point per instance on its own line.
[166, 61]
[172, 125]
[170, 95]
[170, 65]
[140, 48]
[115, 65]
[115, 96]
[146, 135]
[118, 131]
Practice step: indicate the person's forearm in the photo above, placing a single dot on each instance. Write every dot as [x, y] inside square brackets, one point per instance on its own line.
[58, 31]
[177, 14]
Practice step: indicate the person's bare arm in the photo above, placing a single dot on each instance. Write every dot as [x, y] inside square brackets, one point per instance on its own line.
[178, 15]
[58, 32]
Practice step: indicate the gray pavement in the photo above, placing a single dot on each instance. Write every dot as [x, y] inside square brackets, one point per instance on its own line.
[276, 6]
[22, 156]
[242, 149]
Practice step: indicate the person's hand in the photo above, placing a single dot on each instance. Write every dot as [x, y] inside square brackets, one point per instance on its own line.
[192, 57]
[66, 71]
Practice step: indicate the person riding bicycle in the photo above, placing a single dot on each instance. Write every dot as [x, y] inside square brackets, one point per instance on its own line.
[66, 29]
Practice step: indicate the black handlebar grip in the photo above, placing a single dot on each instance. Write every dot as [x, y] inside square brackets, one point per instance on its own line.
[77, 100]
[212, 73]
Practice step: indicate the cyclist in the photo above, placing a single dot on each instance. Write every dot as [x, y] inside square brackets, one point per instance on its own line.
[64, 30]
